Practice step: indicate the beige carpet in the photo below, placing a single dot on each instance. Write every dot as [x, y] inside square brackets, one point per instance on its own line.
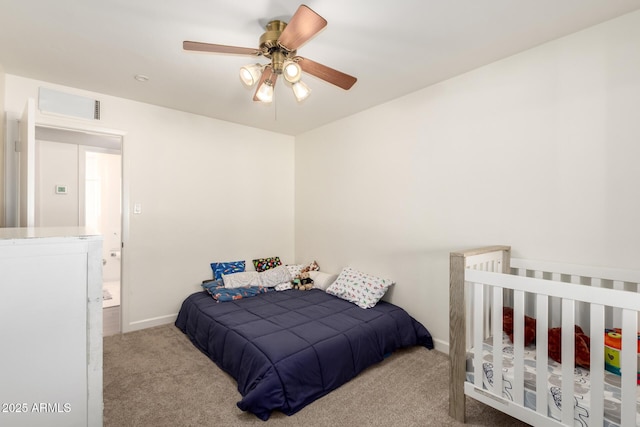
[156, 377]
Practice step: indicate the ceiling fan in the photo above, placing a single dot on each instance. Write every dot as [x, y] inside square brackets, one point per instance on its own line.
[279, 44]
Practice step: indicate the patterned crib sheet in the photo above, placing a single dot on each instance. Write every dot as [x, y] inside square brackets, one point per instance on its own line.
[582, 381]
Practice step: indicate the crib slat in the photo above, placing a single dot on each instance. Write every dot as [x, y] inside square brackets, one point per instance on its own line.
[554, 318]
[468, 308]
[487, 311]
[497, 340]
[468, 301]
[617, 312]
[518, 347]
[542, 384]
[581, 308]
[478, 312]
[628, 366]
[568, 357]
[597, 365]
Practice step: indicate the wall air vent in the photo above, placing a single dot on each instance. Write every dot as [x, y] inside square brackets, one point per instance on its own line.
[66, 104]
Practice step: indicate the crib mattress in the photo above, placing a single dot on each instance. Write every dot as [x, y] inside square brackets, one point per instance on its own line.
[582, 381]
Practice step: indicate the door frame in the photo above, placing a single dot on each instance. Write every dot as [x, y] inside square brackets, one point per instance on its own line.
[77, 126]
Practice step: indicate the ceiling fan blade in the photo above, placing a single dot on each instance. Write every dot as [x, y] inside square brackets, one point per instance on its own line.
[304, 24]
[267, 74]
[335, 77]
[219, 48]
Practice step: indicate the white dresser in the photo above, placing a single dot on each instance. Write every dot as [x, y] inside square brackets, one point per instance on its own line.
[50, 327]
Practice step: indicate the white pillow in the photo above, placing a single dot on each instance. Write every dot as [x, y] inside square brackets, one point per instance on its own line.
[275, 276]
[294, 270]
[359, 288]
[283, 287]
[238, 280]
[322, 280]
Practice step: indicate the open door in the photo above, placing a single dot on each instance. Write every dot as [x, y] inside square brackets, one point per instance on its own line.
[27, 165]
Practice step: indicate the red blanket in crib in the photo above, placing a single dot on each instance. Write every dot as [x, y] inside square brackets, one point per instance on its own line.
[582, 342]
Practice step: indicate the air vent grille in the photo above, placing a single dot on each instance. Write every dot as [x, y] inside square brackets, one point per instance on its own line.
[66, 104]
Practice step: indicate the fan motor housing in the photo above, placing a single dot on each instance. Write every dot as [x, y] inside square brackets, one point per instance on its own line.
[270, 47]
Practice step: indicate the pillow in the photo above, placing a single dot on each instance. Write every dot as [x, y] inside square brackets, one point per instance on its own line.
[238, 280]
[262, 264]
[275, 276]
[211, 285]
[322, 280]
[294, 270]
[283, 287]
[359, 288]
[220, 268]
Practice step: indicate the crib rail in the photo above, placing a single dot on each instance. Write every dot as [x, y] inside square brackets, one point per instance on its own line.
[569, 295]
[598, 277]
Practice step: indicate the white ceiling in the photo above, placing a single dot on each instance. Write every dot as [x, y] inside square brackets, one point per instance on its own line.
[392, 47]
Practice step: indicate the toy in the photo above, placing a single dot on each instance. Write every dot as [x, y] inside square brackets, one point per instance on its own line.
[311, 267]
[612, 346]
[303, 281]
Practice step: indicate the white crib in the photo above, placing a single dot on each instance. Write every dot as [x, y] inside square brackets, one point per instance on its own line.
[483, 281]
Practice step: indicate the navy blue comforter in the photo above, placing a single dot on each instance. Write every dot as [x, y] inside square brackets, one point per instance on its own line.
[287, 349]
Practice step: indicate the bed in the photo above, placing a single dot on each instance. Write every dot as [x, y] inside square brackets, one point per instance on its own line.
[519, 375]
[287, 349]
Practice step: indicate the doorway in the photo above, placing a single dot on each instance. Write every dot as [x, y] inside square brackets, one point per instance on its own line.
[78, 182]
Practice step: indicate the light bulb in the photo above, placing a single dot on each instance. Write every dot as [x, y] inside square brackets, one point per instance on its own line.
[292, 72]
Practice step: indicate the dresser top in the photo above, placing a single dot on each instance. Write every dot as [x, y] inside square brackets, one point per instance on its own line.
[46, 232]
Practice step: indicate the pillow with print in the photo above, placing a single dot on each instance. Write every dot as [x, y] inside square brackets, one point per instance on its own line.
[220, 268]
[262, 264]
[294, 269]
[364, 290]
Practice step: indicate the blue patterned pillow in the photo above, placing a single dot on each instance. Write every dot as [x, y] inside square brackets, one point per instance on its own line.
[220, 268]
[211, 285]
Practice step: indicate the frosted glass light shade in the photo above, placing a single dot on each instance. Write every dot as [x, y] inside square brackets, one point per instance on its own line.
[301, 91]
[265, 92]
[250, 74]
[291, 72]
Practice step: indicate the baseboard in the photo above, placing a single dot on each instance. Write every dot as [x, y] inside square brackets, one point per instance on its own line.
[149, 323]
[441, 346]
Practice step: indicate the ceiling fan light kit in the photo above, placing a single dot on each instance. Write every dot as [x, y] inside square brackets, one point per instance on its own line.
[300, 90]
[250, 74]
[265, 92]
[279, 43]
[292, 71]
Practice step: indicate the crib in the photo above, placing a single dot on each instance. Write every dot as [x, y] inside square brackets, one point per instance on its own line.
[521, 380]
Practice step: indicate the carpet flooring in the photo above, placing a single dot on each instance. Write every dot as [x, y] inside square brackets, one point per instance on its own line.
[156, 377]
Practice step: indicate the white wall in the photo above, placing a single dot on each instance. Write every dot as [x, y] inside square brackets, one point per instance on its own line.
[56, 164]
[539, 151]
[201, 185]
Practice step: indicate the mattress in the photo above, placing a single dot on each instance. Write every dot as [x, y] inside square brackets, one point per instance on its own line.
[287, 349]
[582, 382]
